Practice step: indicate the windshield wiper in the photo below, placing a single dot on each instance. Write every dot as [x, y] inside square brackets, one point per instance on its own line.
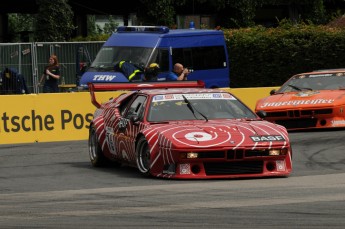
[294, 87]
[190, 106]
[102, 67]
[299, 88]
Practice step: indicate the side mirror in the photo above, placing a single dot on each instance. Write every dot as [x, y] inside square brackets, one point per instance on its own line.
[273, 91]
[261, 114]
[134, 119]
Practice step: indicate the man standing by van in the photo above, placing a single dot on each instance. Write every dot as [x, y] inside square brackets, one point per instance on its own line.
[178, 73]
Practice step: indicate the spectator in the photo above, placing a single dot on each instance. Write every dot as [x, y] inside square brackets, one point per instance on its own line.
[12, 82]
[51, 75]
[178, 73]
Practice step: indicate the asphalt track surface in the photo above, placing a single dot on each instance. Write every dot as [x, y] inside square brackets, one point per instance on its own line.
[53, 185]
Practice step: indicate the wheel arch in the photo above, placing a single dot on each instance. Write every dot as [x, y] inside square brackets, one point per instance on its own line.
[137, 139]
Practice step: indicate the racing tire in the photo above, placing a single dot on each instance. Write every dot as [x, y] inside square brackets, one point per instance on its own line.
[143, 156]
[96, 155]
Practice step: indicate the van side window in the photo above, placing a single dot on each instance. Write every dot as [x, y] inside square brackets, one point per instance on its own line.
[163, 60]
[161, 57]
[201, 58]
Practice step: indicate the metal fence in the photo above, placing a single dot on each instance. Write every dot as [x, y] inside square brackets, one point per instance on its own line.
[29, 60]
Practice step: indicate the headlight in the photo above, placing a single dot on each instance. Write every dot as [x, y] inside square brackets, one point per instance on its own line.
[192, 155]
[277, 152]
[189, 155]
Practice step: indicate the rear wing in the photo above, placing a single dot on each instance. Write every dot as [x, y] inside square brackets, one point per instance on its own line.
[93, 87]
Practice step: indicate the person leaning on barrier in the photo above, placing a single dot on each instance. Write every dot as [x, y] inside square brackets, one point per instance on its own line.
[51, 76]
[178, 73]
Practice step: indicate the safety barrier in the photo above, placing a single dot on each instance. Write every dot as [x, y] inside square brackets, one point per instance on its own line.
[53, 117]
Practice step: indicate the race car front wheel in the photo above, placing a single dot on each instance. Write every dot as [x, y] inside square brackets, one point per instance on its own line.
[95, 152]
[143, 156]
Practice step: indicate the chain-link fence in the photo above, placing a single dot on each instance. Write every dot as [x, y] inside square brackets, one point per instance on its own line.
[27, 61]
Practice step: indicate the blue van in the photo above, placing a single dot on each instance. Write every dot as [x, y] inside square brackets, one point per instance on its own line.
[202, 51]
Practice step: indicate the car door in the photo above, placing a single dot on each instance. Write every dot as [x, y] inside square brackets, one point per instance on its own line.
[129, 126]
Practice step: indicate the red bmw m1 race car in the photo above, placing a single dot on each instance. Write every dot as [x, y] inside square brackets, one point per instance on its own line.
[312, 100]
[181, 130]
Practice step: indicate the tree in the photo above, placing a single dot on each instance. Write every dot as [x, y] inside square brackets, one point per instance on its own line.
[20, 24]
[312, 11]
[162, 12]
[110, 27]
[233, 13]
[92, 28]
[246, 11]
[54, 21]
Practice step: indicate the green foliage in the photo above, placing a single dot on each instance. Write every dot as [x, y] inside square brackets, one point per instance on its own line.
[54, 21]
[160, 12]
[94, 29]
[317, 14]
[95, 37]
[19, 24]
[91, 25]
[111, 26]
[246, 12]
[269, 56]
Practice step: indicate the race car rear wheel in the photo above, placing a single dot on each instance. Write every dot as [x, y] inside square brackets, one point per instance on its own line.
[143, 156]
[95, 152]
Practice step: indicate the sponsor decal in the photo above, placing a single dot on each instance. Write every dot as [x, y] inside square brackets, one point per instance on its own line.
[124, 155]
[110, 140]
[103, 77]
[267, 138]
[34, 121]
[280, 165]
[306, 93]
[217, 95]
[338, 122]
[198, 136]
[158, 98]
[184, 168]
[193, 96]
[298, 102]
[321, 75]
[226, 95]
[122, 124]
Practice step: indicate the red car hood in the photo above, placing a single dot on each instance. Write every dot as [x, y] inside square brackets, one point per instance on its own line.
[227, 133]
[303, 99]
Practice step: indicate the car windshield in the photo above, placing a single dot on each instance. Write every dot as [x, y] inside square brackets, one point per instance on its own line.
[203, 106]
[108, 57]
[320, 81]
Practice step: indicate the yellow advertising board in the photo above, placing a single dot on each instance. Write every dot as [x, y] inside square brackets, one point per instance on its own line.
[66, 116]
[47, 117]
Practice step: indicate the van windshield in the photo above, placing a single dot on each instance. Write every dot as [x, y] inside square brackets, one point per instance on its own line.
[108, 57]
